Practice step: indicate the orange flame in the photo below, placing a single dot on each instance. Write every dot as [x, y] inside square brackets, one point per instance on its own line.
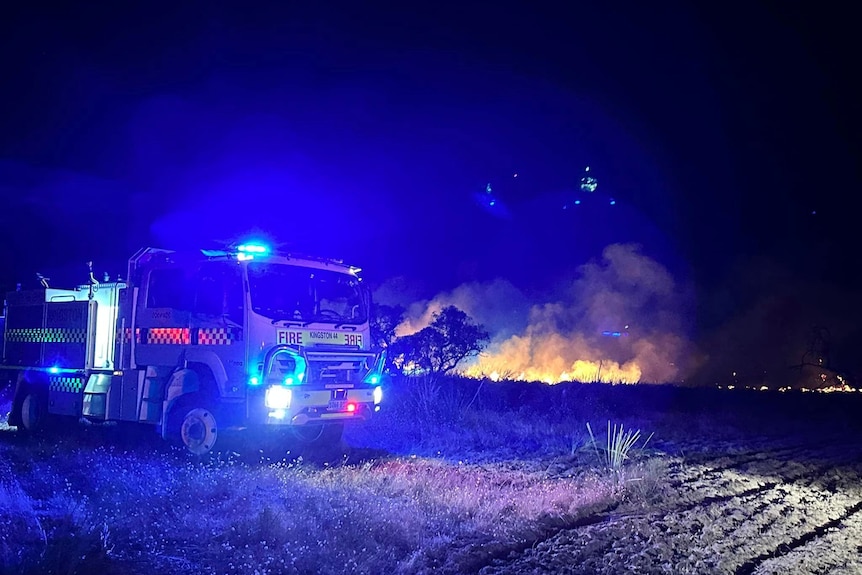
[551, 358]
[583, 371]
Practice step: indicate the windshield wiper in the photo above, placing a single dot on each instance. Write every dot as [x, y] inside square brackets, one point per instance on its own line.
[329, 320]
[288, 321]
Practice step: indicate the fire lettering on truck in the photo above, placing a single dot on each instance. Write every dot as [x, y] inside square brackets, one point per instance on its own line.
[353, 339]
[303, 337]
[289, 337]
[323, 335]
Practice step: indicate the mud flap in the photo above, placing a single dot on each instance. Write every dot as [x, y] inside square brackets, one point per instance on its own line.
[182, 382]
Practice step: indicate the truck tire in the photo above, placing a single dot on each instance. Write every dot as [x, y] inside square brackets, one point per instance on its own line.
[33, 412]
[194, 424]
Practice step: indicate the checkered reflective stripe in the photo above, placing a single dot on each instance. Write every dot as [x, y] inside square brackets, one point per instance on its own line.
[216, 336]
[47, 335]
[168, 336]
[69, 384]
[125, 335]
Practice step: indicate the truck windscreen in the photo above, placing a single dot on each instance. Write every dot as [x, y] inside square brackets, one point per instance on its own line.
[287, 292]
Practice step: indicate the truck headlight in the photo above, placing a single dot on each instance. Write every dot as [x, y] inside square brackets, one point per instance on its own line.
[378, 394]
[277, 397]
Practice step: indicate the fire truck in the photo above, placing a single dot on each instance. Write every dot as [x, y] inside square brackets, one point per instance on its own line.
[197, 342]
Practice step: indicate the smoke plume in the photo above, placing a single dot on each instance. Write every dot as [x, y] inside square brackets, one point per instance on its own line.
[620, 319]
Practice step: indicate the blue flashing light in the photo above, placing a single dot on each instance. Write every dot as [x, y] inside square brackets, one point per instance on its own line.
[296, 375]
[493, 202]
[577, 202]
[374, 376]
[254, 381]
[252, 249]
[54, 369]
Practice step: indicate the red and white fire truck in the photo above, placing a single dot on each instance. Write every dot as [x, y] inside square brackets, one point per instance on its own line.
[196, 342]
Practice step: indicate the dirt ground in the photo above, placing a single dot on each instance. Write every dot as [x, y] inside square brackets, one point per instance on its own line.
[766, 506]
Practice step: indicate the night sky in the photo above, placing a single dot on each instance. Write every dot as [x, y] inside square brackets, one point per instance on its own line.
[728, 137]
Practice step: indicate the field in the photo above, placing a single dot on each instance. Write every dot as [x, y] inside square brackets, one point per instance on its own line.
[506, 478]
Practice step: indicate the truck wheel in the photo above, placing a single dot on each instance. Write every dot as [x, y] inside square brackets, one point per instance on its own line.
[199, 430]
[33, 412]
[194, 424]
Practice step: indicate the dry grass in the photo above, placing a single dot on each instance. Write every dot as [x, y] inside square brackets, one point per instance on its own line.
[456, 489]
[402, 515]
[446, 486]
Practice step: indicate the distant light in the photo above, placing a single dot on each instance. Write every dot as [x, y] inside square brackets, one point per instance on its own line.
[254, 381]
[54, 369]
[577, 202]
[613, 202]
[588, 183]
[813, 212]
[493, 202]
[515, 175]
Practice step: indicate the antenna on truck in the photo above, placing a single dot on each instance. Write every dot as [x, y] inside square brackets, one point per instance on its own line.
[94, 283]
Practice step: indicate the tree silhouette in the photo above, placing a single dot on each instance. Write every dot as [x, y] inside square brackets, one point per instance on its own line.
[384, 320]
[437, 349]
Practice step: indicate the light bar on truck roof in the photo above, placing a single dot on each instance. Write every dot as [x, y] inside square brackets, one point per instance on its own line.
[252, 248]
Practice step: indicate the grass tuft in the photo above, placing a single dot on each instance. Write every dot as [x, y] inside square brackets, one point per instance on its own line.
[619, 444]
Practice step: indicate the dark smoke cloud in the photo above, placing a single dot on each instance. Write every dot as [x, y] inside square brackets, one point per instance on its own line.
[780, 318]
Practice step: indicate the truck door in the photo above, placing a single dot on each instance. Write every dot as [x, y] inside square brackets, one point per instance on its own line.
[216, 324]
[162, 317]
